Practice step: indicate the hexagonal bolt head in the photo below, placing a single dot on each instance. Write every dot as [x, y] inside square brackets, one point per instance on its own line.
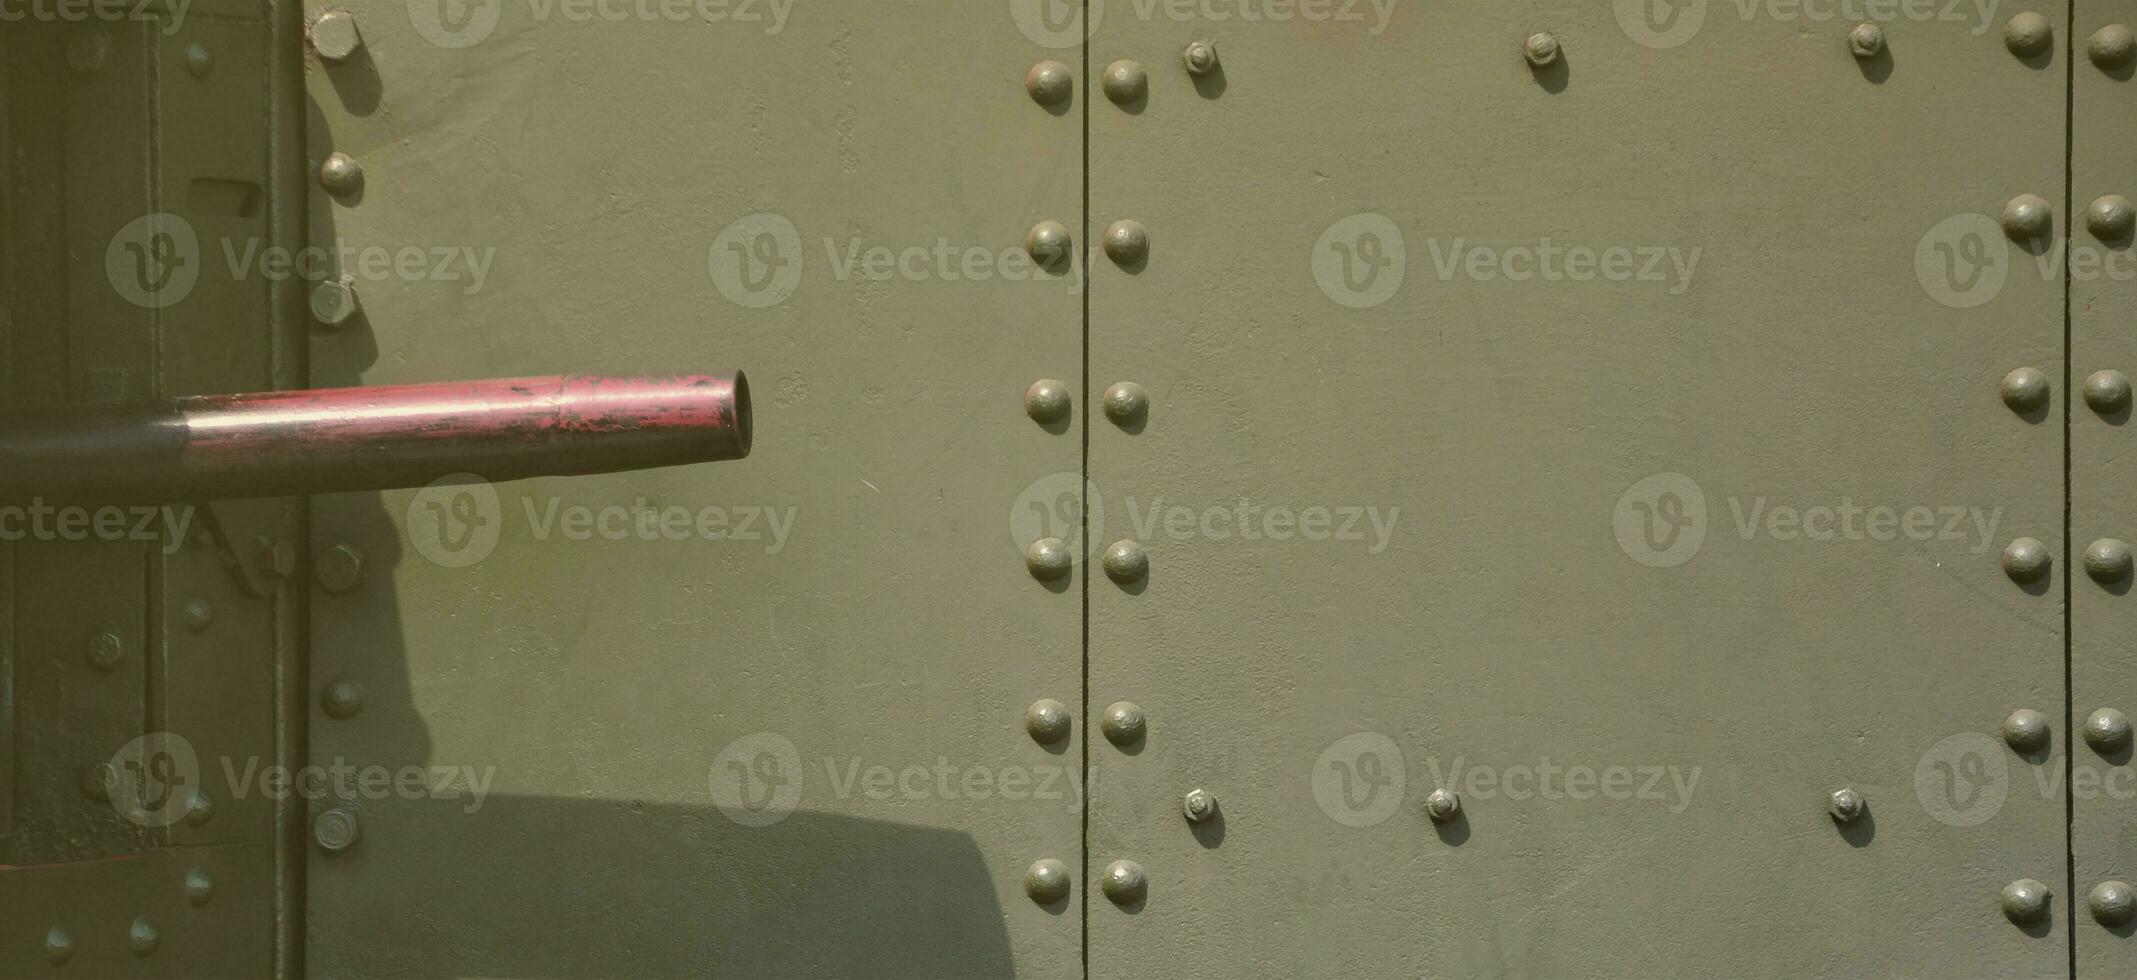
[339, 569]
[1200, 56]
[2026, 731]
[2107, 730]
[1198, 806]
[334, 36]
[1124, 882]
[2025, 901]
[1846, 805]
[1867, 40]
[336, 830]
[106, 650]
[1541, 49]
[2112, 903]
[334, 302]
[1046, 881]
[1443, 805]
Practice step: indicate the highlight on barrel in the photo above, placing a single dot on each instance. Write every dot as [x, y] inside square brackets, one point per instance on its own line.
[272, 444]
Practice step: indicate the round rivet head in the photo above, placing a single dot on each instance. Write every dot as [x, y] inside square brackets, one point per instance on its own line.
[2112, 47]
[1048, 721]
[336, 830]
[1198, 806]
[1048, 243]
[1443, 805]
[1125, 82]
[342, 699]
[2025, 390]
[2028, 34]
[2110, 218]
[1201, 57]
[1047, 400]
[1050, 83]
[2107, 391]
[2112, 903]
[142, 937]
[1127, 242]
[1123, 723]
[2028, 218]
[1846, 805]
[2107, 560]
[2025, 901]
[200, 886]
[339, 569]
[59, 946]
[1126, 402]
[1048, 558]
[1541, 48]
[334, 302]
[2107, 730]
[333, 34]
[198, 614]
[341, 175]
[1046, 881]
[2025, 559]
[106, 650]
[1126, 561]
[1124, 883]
[198, 60]
[1867, 40]
[2026, 730]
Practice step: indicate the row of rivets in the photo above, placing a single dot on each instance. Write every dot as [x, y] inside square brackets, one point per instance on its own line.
[142, 936]
[2107, 730]
[1051, 83]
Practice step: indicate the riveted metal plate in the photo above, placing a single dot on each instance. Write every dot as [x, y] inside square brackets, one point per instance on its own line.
[682, 725]
[2102, 275]
[1550, 434]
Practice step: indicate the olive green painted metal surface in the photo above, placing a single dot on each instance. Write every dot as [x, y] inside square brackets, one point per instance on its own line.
[141, 664]
[777, 727]
[1561, 436]
[2103, 297]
